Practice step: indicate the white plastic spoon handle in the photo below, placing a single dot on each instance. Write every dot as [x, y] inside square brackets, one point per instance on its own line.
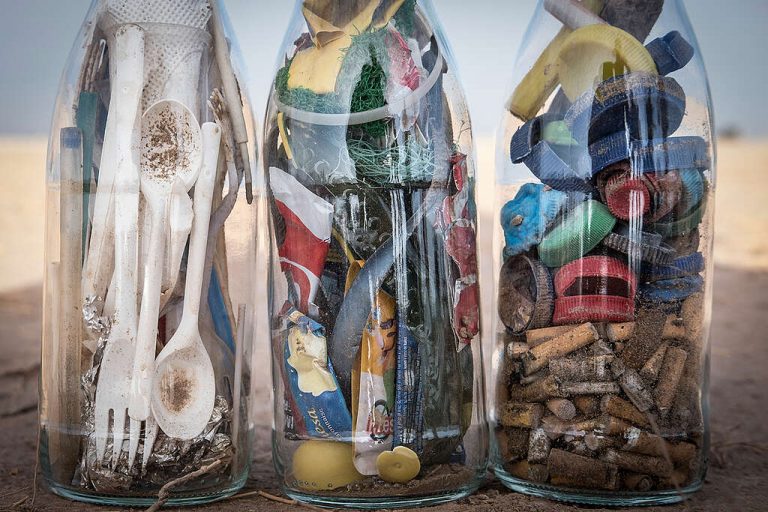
[202, 208]
[572, 14]
[127, 92]
[146, 337]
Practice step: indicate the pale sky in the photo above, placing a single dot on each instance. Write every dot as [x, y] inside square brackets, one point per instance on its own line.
[36, 36]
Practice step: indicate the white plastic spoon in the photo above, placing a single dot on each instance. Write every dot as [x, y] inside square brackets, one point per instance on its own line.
[170, 153]
[184, 389]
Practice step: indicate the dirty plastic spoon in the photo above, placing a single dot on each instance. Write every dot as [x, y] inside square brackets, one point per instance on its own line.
[183, 388]
[170, 156]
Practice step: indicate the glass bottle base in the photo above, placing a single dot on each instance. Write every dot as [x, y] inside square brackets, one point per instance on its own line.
[75, 494]
[602, 498]
[393, 502]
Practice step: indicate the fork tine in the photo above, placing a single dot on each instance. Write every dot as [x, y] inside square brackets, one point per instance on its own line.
[118, 435]
[150, 434]
[133, 441]
[101, 429]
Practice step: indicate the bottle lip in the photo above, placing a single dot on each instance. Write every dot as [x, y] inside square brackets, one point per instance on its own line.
[357, 118]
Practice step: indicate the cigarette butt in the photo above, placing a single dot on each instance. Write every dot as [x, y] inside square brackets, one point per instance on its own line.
[516, 349]
[589, 388]
[619, 332]
[539, 446]
[538, 473]
[678, 478]
[644, 464]
[521, 415]
[539, 391]
[620, 408]
[645, 340]
[519, 469]
[556, 428]
[536, 377]
[638, 483]
[613, 426]
[669, 378]
[599, 442]
[587, 405]
[686, 414]
[638, 441]
[512, 443]
[539, 356]
[685, 455]
[651, 368]
[562, 408]
[674, 329]
[594, 368]
[536, 337]
[636, 391]
[601, 348]
[579, 447]
[692, 312]
[571, 470]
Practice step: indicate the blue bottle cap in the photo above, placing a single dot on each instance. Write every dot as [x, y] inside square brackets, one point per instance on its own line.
[562, 167]
[643, 105]
[655, 155]
[685, 266]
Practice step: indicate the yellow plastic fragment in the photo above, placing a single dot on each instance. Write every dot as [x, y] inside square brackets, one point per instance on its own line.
[399, 466]
[540, 82]
[586, 51]
[324, 465]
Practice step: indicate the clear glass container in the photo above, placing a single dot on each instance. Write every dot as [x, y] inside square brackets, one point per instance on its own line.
[148, 307]
[605, 183]
[374, 300]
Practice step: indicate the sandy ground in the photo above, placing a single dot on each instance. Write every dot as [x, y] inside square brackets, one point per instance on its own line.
[737, 478]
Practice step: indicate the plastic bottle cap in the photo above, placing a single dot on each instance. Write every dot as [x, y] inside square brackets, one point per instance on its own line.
[655, 155]
[582, 229]
[565, 168]
[526, 294]
[643, 105]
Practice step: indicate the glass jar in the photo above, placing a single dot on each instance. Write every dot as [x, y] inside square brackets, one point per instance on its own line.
[605, 193]
[376, 356]
[147, 325]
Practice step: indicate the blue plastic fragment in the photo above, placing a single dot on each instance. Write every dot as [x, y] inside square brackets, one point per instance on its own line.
[525, 218]
[670, 53]
[219, 312]
[671, 290]
[685, 266]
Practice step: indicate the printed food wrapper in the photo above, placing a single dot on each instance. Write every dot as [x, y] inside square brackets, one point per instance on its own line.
[308, 224]
[313, 385]
[373, 381]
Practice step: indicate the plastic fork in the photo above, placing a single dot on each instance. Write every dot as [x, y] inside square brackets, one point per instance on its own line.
[114, 383]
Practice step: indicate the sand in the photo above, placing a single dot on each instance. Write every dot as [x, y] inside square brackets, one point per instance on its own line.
[737, 478]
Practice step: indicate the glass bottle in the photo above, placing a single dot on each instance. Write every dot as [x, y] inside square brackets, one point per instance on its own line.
[376, 356]
[147, 324]
[603, 242]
